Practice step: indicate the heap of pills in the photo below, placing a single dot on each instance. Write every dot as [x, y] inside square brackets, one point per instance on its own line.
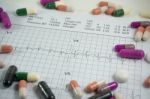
[111, 9]
[143, 30]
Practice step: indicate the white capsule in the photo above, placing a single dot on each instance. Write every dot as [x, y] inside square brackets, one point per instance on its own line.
[145, 13]
[104, 9]
[139, 34]
[118, 96]
[146, 34]
[147, 57]
[121, 76]
[33, 77]
[2, 65]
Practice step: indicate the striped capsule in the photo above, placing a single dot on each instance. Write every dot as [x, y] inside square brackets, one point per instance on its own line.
[22, 89]
[94, 86]
[137, 24]
[5, 20]
[139, 34]
[107, 88]
[10, 76]
[45, 90]
[146, 34]
[31, 77]
[119, 47]
[107, 95]
[131, 53]
[147, 82]
[6, 48]
[96, 11]
[76, 90]
[26, 11]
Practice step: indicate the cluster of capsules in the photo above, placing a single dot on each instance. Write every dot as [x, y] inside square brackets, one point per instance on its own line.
[110, 9]
[4, 18]
[56, 4]
[143, 30]
[102, 90]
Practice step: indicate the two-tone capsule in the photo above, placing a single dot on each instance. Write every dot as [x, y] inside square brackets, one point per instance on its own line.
[31, 77]
[45, 90]
[132, 53]
[6, 48]
[94, 86]
[146, 34]
[119, 47]
[76, 90]
[26, 11]
[22, 89]
[107, 95]
[137, 24]
[139, 34]
[10, 76]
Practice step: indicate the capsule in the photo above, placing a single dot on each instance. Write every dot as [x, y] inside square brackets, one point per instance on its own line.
[146, 34]
[50, 5]
[45, 90]
[45, 2]
[119, 47]
[118, 13]
[76, 90]
[107, 87]
[107, 95]
[137, 24]
[6, 48]
[5, 20]
[94, 86]
[1, 10]
[26, 11]
[131, 53]
[31, 77]
[22, 89]
[110, 10]
[139, 34]
[9, 76]
[96, 11]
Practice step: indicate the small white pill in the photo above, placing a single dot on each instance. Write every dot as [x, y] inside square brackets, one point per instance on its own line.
[118, 96]
[145, 13]
[147, 57]
[121, 76]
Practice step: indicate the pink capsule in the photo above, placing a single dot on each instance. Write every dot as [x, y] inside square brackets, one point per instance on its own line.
[132, 53]
[119, 47]
[5, 20]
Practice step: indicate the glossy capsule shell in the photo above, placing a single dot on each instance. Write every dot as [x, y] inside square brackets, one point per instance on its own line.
[119, 47]
[108, 87]
[132, 53]
[107, 95]
[10, 76]
[76, 90]
[137, 24]
[31, 77]
[139, 34]
[6, 48]
[94, 86]
[118, 13]
[45, 90]
[22, 85]
[146, 34]
[26, 11]
[5, 20]
[45, 2]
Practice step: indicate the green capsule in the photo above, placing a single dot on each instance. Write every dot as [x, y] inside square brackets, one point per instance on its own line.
[118, 13]
[21, 12]
[51, 5]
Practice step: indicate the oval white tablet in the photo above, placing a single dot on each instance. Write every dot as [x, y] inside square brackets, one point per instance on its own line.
[121, 76]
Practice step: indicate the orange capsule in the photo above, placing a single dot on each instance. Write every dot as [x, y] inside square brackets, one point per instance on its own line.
[96, 11]
[147, 82]
[22, 89]
[103, 3]
[94, 86]
[110, 10]
[6, 48]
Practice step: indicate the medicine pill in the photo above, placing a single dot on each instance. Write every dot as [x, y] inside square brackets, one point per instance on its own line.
[137, 24]
[31, 77]
[110, 10]
[132, 53]
[96, 11]
[145, 13]
[5, 20]
[94, 86]
[121, 76]
[10, 76]
[118, 95]
[119, 47]
[2, 65]
[50, 5]
[147, 57]
[45, 90]
[26, 11]
[45, 2]
[146, 34]
[76, 90]
[22, 89]
[139, 34]
[6, 48]
[147, 82]
[102, 96]
[118, 13]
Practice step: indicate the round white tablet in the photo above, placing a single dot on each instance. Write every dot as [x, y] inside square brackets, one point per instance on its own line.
[147, 57]
[118, 96]
[121, 76]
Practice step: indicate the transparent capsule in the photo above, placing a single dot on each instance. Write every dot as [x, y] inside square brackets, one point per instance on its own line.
[119, 47]
[22, 89]
[76, 90]
[5, 20]
[146, 34]
[139, 34]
